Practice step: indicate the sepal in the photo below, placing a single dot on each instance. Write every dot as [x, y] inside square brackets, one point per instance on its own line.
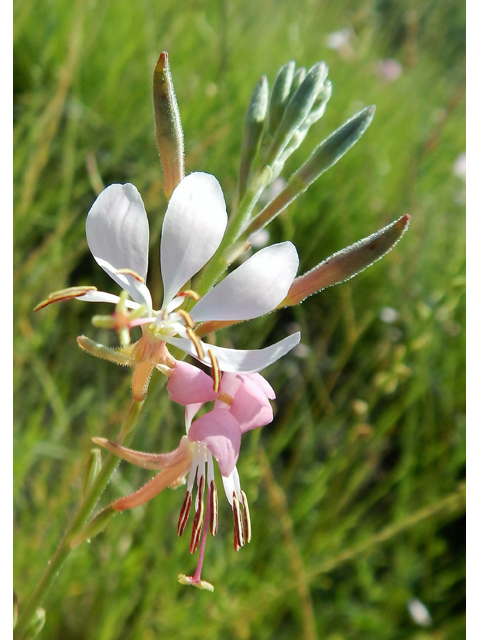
[105, 353]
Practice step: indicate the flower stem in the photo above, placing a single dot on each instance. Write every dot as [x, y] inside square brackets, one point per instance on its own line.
[80, 518]
[236, 225]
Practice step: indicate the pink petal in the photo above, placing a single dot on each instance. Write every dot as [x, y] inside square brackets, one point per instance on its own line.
[251, 406]
[263, 384]
[220, 432]
[191, 411]
[190, 385]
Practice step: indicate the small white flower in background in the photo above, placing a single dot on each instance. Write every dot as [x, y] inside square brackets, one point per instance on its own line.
[259, 238]
[389, 69]
[389, 315]
[419, 612]
[338, 39]
[341, 41]
[460, 166]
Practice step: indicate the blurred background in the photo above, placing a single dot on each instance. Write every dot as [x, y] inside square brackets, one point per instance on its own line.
[356, 489]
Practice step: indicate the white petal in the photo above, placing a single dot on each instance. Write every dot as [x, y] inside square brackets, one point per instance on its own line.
[117, 234]
[193, 228]
[256, 287]
[238, 360]
[231, 483]
[103, 296]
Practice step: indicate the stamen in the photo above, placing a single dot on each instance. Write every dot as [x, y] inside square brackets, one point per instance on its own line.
[238, 535]
[196, 342]
[131, 272]
[215, 371]
[65, 294]
[198, 520]
[246, 518]
[184, 513]
[213, 501]
[187, 317]
[189, 293]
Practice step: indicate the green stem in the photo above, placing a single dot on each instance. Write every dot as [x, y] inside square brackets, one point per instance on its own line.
[218, 264]
[83, 512]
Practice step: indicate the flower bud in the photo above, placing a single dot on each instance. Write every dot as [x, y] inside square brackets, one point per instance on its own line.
[168, 127]
[252, 132]
[280, 93]
[323, 157]
[297, 110]
[346, 263]
[298, 78]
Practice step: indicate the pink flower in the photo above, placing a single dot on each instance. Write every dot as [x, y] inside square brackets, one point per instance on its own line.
[241, 404]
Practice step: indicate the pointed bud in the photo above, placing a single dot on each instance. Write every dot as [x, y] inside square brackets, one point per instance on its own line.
[347, 263]
[298, 78]
[92, 469]
[297, 110]
[280, 93]
[252, 132]
[324, 157]
[335, 146]
[94, 527]
[168, 128]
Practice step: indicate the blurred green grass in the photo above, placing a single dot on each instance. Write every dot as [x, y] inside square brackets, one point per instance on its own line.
[356, 489]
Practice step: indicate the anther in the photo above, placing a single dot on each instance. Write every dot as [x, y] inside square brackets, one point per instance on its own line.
[213, 498]
[196, 343]
[187, 317]
[65, 294]
[198, 520]
[215, 371]
[184, 513]
[197, 528]
[246, 518]
[189, 293]
[131, 272]
[238, 535]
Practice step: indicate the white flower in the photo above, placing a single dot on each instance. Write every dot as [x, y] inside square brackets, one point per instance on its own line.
[194, 224]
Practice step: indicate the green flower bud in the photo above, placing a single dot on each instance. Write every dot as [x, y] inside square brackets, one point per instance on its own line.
[168, 127]
[323, 157]
[297, 110]
[280, 93]
[252, 133]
